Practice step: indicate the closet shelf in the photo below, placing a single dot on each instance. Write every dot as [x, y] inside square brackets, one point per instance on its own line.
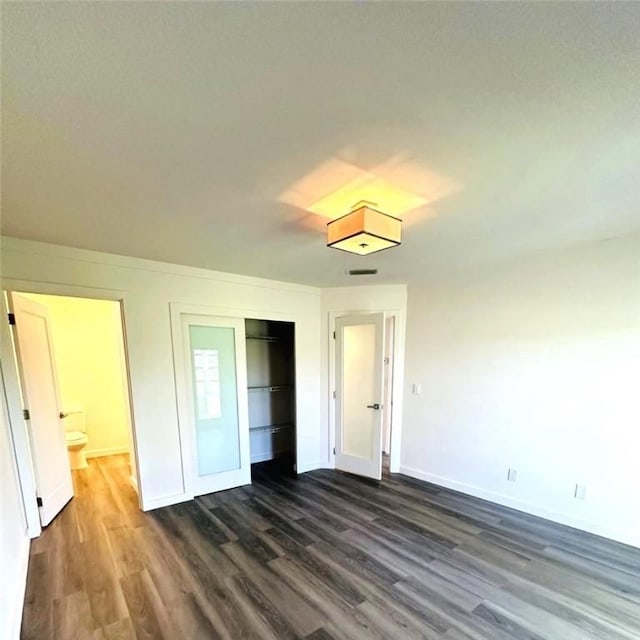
[274, 428]
[270, 387]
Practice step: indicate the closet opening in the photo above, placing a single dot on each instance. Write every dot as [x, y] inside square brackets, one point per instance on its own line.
[270, 347]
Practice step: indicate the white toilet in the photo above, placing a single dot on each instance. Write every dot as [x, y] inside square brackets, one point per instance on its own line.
[75, 427]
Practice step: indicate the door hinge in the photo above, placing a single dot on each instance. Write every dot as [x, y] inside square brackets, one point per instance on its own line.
[39, 501]
[334, 395]
[334, 451]
[334, 335]
[12, 318]
[25, 414]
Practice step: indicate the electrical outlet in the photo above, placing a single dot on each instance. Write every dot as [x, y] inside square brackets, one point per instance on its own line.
[580, 492]
[512, 475]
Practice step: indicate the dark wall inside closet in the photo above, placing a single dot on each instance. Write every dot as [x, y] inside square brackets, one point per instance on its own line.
[271, 382]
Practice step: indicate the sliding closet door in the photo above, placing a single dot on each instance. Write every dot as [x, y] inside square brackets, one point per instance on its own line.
[216, 398]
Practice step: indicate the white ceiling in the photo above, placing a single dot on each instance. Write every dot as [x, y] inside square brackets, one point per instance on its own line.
[174, 131]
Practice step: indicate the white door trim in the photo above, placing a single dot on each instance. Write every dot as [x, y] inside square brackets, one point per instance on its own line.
[14, 395]
[398, 380]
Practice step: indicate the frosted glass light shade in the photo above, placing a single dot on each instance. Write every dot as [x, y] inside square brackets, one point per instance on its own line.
[363, 231]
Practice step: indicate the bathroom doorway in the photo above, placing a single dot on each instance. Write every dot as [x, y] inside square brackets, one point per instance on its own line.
[72, 362]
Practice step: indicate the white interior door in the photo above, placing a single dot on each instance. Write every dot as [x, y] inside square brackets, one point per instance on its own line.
[359, 359]
[36, 364]
[216, 404]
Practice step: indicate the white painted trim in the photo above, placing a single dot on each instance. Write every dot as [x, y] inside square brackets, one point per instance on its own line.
[108, 451]
[621, 535]
[19, 591]
[55, 289]
[180, 382]
[32, 247]
[134, 483]
[127, 398]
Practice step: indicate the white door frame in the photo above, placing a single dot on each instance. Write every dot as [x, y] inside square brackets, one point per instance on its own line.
[397, 380]
[17, 424]
[176, 310]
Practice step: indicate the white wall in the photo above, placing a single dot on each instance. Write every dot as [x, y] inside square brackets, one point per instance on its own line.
[533, 366]
[147, 289]
[14, 540]
[338, 301]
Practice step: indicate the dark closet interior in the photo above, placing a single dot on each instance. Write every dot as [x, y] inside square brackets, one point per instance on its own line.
[271, 391]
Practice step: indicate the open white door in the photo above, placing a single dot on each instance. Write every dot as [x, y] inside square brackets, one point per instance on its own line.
[214, 401]
[36, 365]
[359, 358]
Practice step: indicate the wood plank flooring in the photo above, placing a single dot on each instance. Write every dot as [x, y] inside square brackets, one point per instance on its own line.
[322, 556]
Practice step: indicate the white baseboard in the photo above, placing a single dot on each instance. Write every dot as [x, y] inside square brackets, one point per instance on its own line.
[18, 592]
[620, 535]
[166, 501]
[134, 483]
[100, 453]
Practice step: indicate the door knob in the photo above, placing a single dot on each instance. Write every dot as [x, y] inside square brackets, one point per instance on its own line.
[375, 406]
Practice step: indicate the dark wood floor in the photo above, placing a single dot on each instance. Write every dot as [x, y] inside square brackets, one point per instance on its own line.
[321, 556]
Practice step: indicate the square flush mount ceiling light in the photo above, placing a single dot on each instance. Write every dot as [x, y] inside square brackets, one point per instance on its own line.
[364, 230]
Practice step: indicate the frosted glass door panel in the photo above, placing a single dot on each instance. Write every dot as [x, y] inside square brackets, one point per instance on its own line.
[359, 342]
[213, 368]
